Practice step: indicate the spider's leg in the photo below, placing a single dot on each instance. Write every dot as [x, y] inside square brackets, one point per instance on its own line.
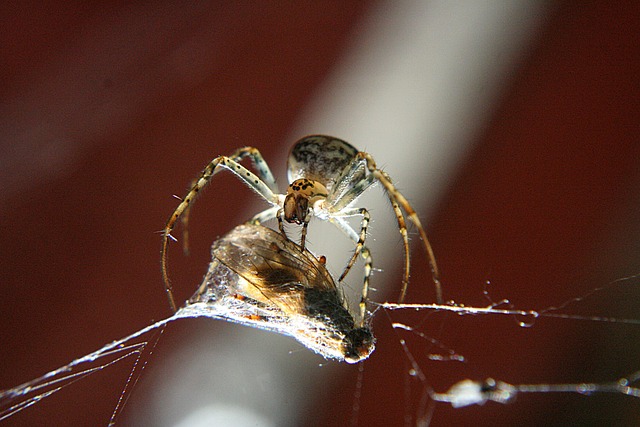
[260, 164]
[352, 183]
[263, 172]
[395, 195]
[363, 251]
[303, 233]
[402, 227]
[353, 191]
[356, 188]
[336, 218]
[368, 262]
[305, 224]
[184, 221]
[355, 185]
[281, 222]
[265, 215]
[219, 163]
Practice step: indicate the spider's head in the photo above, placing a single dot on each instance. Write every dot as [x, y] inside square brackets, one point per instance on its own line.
[296, 207]
[301, 196]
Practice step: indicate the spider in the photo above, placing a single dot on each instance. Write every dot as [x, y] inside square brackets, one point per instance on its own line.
[326, 177]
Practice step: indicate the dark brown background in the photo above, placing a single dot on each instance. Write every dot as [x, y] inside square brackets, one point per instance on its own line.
[104, 132]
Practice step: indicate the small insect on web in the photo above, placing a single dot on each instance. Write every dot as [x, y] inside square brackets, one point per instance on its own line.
[327, 175]
[257, 277]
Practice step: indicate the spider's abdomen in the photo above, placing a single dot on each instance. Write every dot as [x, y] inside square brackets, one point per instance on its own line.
[320, 158]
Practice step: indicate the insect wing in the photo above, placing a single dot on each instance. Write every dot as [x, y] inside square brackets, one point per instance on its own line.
[275, 270]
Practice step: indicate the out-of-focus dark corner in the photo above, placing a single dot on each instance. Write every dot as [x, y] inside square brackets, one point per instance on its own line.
[108, 110]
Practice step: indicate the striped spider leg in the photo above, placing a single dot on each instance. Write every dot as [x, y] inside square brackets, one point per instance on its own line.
[264, 184]
[347, 173]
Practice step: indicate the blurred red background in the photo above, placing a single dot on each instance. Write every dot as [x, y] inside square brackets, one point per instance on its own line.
[100, 130]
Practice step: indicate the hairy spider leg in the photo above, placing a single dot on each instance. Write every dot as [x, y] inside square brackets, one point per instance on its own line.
[184, 221]
[351, 192]
[364, 251]
[402, 227]
[358, 239]
[262, 185]
[368, 262]
[394, 194]
[347, 189]
[366, 255]
[264, 216]
[259, 163]
[263, 172]
[350, 186]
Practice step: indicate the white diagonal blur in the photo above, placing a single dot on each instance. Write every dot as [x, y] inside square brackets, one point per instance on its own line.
[417, 82]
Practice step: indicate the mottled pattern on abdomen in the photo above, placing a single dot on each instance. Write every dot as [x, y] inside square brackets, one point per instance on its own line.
[320, 158]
